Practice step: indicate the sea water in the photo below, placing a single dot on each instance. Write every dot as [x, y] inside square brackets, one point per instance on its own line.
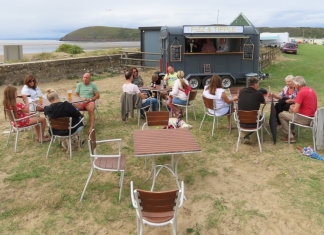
[50, 45]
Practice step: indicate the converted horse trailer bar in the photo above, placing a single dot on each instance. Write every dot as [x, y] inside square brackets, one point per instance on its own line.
[240, 58]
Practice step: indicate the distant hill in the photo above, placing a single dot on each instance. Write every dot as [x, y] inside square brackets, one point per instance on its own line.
[102, 34]
[305, 32]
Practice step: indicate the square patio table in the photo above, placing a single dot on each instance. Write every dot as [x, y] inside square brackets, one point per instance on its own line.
[158, 90]
[174, 142]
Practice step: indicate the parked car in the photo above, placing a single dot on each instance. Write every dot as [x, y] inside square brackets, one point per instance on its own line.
[289, 48]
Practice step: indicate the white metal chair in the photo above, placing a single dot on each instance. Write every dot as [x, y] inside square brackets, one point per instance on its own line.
[210, 104]
[147, 107]
[62, 124]
[111, 163]
[17, 129]
[157, 208]
[191, 98]
[293, 122]
[249, 121]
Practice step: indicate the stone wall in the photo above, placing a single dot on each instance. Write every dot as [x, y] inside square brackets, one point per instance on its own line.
[54, 70]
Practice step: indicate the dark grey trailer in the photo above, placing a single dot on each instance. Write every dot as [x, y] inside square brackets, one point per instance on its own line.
[241, 56]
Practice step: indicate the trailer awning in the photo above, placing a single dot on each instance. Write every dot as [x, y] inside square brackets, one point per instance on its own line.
[192, 36]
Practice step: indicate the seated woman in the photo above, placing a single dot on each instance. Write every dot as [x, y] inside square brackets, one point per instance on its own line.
[216, 91]
[137, 79]
[286, 97]
[178, 94]
[130, 88]
[59, 109]
[30, 88]
[21, 110]
[208, 46]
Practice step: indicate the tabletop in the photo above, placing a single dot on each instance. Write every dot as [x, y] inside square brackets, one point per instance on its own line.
[75, 99]
[164, 142]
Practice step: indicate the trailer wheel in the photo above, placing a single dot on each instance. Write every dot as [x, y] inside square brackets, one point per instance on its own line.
[206, 81]
[194, 82]
[227, 81]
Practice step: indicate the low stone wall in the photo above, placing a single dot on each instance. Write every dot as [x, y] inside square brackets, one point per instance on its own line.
[54, 70]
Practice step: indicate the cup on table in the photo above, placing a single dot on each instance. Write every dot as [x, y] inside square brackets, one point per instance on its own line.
[69, 96]
[40, 98]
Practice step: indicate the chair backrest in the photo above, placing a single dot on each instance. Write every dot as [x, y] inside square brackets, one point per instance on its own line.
[248, 117]
[10, 115]
[157, 202]
[192, 95]
[63, 123]
[209, 103]
[158, 118]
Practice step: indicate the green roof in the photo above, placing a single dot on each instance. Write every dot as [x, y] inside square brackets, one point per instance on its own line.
[241, 20]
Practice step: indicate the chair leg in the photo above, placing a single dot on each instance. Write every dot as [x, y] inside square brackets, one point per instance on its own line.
[202, 121]
[187, 114]
[49, 146]
[138, 116]
[238, 139]
[17, 134]
[70, 147]
[213, 126]
[9, 135]
[289, 132]
[193, 107]
[259, 141]
[121, 184]
[86, 185]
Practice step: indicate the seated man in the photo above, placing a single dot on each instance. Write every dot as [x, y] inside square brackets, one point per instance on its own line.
[89, 92]
[132, 89]
[305, 104]
[222, 46]
[250, 99]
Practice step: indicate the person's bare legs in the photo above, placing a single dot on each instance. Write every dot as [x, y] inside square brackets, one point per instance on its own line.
[39, 132]
[91, 108]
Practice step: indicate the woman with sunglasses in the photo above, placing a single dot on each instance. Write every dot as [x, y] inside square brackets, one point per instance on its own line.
[30, 88]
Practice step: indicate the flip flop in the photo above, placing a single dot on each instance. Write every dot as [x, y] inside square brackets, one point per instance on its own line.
[45, 139]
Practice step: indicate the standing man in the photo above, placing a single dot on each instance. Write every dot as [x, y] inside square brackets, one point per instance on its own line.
[305, 104]
[222, 46]
[250, 99]
[89, 92]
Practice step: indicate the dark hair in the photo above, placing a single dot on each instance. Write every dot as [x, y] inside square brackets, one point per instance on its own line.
[128, 74]
[28, 78]
[252, 81]
[133, 68]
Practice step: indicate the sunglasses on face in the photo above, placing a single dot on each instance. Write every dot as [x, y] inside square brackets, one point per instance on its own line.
[31, 81]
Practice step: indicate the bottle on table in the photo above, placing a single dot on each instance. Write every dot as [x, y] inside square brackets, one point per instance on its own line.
[162, 85]
[151, 84]
[154, 85]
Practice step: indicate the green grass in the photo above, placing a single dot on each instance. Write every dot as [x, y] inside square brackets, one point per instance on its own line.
[227, 192]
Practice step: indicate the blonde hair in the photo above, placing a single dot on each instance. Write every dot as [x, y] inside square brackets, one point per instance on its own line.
[289, 78]
[180, 75]
[51, 94]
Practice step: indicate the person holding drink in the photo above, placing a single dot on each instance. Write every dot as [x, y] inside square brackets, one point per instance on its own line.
[21, 110]
[89, 92]
[33, 92]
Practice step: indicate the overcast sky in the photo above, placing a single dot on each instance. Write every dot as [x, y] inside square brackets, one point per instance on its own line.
[54, 19]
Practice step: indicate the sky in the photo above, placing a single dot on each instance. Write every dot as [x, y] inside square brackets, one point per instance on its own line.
[54, 19]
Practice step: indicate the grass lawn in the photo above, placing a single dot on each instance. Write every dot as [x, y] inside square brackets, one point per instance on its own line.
[278, 191]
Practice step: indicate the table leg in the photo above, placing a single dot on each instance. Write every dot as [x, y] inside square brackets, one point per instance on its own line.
[158, 94]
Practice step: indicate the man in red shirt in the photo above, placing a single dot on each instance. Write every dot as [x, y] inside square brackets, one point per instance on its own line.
[305, 104]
